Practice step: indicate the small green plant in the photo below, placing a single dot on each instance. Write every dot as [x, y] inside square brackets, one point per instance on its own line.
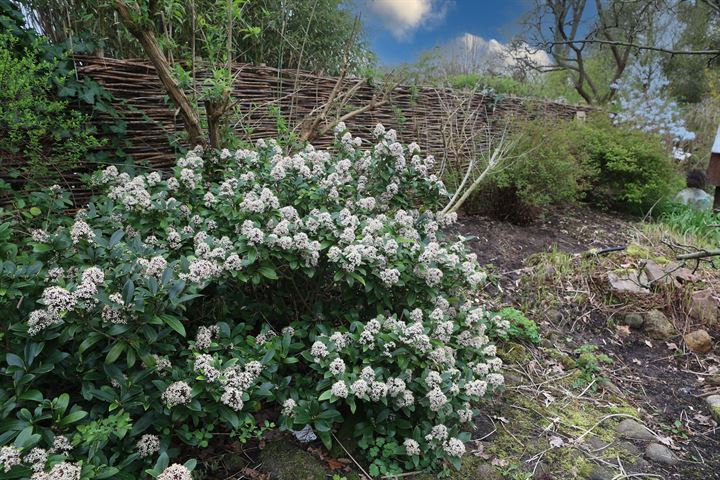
[382, 453]
[521, 327]
[590, 364]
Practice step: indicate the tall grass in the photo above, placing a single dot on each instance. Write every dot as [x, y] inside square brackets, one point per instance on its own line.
[701, 227]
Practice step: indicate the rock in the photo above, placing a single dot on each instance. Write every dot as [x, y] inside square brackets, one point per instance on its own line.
[283, 460]
[628, 282]
[684, 275]
[596, 444]
[554, 315]
[487, 472]
[638, 466]
[628, 449]
[656, 274]
[661, 454]
[305, 435]
[633, 320]
[601, 473]
[634, 430]
[704, 307]
[658, 326]
[713, 402]
[610, 387]
[699, 341]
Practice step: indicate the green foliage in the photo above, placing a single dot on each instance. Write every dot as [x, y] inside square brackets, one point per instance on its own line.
[519, 326]
[175, 308]
[44, 136]
[547, 169]
[496, 83]
[590, 364]
[609, 166]
[690, 75]
[280, 33]
[697, 225]
[632, 170]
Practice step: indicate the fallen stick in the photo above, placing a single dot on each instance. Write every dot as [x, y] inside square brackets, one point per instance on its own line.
[699, 254]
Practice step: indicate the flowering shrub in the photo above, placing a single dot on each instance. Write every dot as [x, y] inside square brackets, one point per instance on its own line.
[316, 285]
[644, 103]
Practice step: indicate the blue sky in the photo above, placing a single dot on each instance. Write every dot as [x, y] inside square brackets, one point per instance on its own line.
[399, 30]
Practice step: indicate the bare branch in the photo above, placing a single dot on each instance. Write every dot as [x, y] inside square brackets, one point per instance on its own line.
[636, 45]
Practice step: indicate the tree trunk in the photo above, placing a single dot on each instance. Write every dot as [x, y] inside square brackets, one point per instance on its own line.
[152, 49]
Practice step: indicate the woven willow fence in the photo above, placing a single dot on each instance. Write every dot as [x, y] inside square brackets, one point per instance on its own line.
[263, 95]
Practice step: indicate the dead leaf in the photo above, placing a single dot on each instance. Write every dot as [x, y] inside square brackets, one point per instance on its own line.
[334, 464]
[705, 420]
[622, 331]
[253, 474]
[671, 346]
[648, 343]
[667, 441]
[556, 442]
[548, 398]
[499, 462]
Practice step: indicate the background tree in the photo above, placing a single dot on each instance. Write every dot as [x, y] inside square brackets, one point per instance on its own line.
[306, 34]
[573, 32]
[177, 36]
[690, 75]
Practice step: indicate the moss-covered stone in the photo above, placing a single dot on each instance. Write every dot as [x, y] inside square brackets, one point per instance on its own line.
[512, 352]
[283, 460]
[566, 360]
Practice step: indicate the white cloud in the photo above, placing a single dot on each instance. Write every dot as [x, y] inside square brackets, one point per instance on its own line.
[403, 17]
[470, 53]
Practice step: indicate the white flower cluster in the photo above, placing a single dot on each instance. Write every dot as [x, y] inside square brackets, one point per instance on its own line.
[346, 220]
[81, 230]
[58, 300]
[9, 457]
[289, 407]
[236, 380]
[177, 393]
[205, 336]
[148, 445]
[175, 472]
[60, 471]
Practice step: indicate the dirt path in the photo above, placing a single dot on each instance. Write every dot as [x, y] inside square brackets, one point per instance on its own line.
[555, 419]
[506, 246]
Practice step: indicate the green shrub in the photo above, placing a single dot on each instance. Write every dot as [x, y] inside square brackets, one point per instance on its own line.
[39, 132]
[519, 327]
[632, 169]
[547, 168]
[172, 309]
[496, 83]
[563, 162]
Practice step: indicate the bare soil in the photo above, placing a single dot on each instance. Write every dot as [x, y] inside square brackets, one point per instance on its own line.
[662, 381]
